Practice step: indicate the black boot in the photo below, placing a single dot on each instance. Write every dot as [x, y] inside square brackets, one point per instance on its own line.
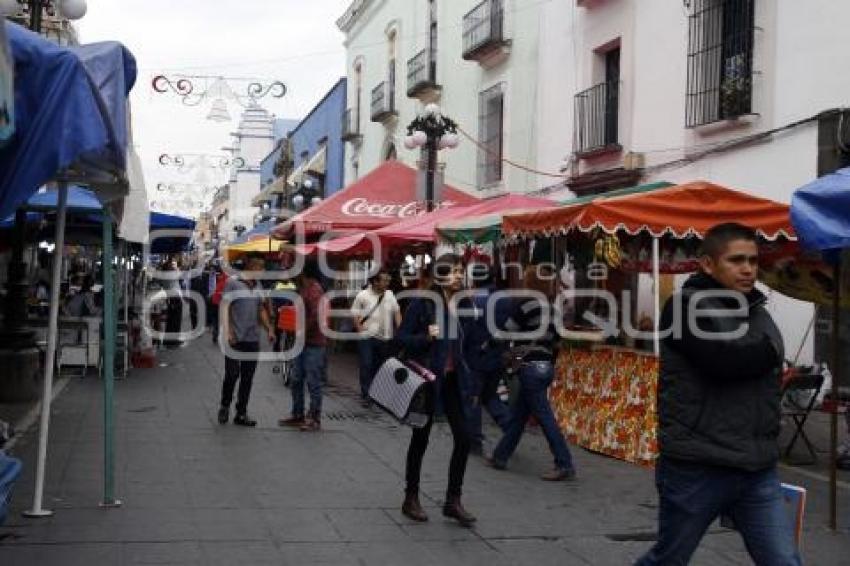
[412, 509]
[454, 510]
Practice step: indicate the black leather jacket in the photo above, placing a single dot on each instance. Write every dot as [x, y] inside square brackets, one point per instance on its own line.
[719, 400]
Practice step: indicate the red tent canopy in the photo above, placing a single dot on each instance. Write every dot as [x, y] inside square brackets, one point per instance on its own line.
[384, 196]
[680, 210]
[419, 229]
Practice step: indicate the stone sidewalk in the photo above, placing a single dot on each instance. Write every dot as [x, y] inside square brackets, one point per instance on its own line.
[195, 492]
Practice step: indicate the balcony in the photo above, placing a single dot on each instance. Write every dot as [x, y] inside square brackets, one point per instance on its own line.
[351, 125]
[422, 77]
[383, 102]
[596, 120]
[483, 33]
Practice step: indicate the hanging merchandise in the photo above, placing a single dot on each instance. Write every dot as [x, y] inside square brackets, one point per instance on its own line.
[607, 249]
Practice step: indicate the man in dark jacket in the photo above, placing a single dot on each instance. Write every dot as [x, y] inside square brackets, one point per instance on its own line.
[718, 408]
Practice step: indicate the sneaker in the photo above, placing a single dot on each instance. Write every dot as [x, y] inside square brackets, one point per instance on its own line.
[496, 464]
[559, 474]
[291, 421]
[311, 425]
[244, 420]
[223, 415]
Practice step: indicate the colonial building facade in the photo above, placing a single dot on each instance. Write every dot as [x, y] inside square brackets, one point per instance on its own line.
[477, 59]
[743, 93]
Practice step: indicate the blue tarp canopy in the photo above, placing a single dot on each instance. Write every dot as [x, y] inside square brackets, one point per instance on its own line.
[162, 221]
[70, 116]
[79, 199]
[820, 212]
[32, 218]
[169, 244]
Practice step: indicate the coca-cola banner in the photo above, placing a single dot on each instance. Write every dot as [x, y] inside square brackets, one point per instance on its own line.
[383, 197]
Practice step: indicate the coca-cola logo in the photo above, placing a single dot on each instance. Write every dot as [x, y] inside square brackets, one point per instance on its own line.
[362, 207]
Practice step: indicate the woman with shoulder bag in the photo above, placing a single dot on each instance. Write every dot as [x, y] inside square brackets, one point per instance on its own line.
[533, 362]
[437, 345]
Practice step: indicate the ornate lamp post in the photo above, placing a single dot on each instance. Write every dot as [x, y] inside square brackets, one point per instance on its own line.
[432, 132]
[68, 9]
[306, 196]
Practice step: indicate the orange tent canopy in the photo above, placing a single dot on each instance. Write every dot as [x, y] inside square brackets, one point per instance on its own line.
[683, 210]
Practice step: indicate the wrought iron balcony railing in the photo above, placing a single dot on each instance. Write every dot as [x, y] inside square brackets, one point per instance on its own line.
[383, 101]
[483, 29]
[596, 118]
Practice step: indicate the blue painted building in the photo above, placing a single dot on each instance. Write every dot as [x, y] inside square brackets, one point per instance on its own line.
[317, 146]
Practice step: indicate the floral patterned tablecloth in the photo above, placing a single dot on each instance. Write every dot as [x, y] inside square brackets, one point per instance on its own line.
[605, 400]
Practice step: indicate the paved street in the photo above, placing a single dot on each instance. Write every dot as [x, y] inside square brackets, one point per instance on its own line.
[195, 492]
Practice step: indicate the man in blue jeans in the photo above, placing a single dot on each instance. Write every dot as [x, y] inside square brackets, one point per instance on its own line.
[718, 409]
[311, 364]
[534, 361]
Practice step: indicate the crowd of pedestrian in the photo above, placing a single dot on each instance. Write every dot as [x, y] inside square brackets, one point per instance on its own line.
[718, 398]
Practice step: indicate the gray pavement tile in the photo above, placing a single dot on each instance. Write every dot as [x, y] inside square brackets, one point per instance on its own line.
[232, 552]
[199, 493]
[138, 553]
[64, 554]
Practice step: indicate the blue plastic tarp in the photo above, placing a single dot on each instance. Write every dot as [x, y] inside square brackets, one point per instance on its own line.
[61, 118]
[162, 221]
[169, 244]
[79, 199]
[820, 212]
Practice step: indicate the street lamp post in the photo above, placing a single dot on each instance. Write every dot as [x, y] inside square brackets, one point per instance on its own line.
[431, 131]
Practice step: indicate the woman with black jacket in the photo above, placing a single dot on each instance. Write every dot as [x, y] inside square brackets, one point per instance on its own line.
[432, 335]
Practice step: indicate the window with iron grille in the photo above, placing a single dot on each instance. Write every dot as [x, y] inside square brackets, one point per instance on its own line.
[720, 60]
[490, 134]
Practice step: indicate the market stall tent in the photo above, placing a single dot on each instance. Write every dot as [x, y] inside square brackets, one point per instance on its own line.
[684, 210]
[63, 121]
[419, 229]
[820, 212]
[71, 126]
[384, 196]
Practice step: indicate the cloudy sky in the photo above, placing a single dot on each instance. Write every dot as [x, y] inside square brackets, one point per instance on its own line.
[294, 41]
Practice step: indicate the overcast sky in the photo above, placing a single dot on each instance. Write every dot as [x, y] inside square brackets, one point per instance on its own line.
[294, 41]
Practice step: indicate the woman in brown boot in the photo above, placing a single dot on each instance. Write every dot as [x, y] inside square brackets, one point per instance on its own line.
[432, 335]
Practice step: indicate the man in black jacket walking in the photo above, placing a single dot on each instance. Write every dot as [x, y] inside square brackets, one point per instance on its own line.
[718, 409]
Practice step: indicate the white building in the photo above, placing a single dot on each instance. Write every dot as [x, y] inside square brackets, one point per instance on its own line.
[252, 141]
[477, 60]
[638, 91]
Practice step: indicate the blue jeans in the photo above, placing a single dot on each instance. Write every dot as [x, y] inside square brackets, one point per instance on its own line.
[497, 409]
[692, 496]
[372, 353]
[534, 381]
[309, 368]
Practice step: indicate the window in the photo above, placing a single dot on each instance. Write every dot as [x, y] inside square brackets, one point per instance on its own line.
[597, 110]
[720, 60]
[490, 134]
[391, 71]
[432, 40]
[358, 81]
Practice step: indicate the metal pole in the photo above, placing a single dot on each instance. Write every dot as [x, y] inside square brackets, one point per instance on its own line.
[35, 15]
[836, 378]
[108, 367]
[50, 358]
[656, 283]
[429, 174]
